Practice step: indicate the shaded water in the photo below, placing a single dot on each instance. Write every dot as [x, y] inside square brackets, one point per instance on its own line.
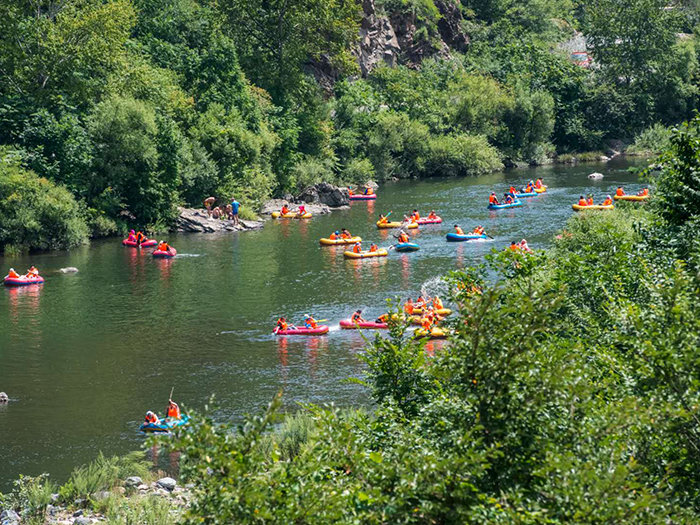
[84, 356]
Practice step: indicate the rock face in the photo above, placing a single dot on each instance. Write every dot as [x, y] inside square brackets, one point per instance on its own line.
[450, 25]
[325, 193]
[378, 42]
[197, 221]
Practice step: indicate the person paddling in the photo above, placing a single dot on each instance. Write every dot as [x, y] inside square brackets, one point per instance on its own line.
[173, 410]
[582, 201]
[403, 237]
[357, 317]
[458, 230]
[493, 199]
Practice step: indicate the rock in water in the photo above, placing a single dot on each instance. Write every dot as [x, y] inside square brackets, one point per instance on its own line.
[4, 398]
[595, 176]
[325, 193]
[69, 269]
[167, 483]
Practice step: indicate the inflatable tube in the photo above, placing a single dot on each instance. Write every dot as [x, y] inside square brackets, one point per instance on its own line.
[319, 330]
[576, 207]
[442, 311]
[525, 194]
[435, 333]
[406, 247]
[22, 280]
[145, 244]
[634, 198]
[543, 189]
[160, 254]
[515, 204]
[291, 215]
[165, 425]
[347, 324]
[456, 237]
[361, 197]
[365, 255]
[436, 220]
[328, 242]
[389, 225]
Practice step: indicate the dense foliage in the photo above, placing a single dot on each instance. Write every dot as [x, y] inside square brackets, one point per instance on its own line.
[569, 392]
[138, 106]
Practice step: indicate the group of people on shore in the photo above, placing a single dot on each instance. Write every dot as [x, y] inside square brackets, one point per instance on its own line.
[224, 212]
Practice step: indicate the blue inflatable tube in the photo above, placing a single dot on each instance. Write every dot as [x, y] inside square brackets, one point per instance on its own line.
[520, 195]
[406, 247]
[515, 204]
[165, 425]
[456, 237]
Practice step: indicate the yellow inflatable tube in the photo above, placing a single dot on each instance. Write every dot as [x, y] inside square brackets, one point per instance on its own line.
[435, 333]
[541, 190]
[291, 215]
[388, 225]
[576, 207]
[635, 198]
[329, 242]
[365, 255]
[441, 311]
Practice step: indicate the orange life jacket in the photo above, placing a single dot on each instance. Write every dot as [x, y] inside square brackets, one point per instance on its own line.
[607, 202]
[408, 307]
[311, 322]
[383, 220]
[152, 418]
[403, 238]
[356, 317]
[345, 235]
[582, 202]
[538, 184]
[644, 192]
[140, 237]
[513, 190]
[282, 325]
[620, 192]
[437, 303]
[13, 274]
[459, 231]
[333, 236]
[357, 248]
[432, 215]
[514, 247]
[589, 202]
[426, 322]
[373, 248]
[285, 210]
[415, 216]
[173, 410]
[493, 199]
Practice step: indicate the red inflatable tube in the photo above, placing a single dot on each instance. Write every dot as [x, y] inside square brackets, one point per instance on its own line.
[144, 244]
[319, 330]
[22, 281]
[347, 324]
[160, 254]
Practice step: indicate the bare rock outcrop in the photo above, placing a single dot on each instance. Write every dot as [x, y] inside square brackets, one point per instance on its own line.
[378, 43]
[197, 221]
[325, 193]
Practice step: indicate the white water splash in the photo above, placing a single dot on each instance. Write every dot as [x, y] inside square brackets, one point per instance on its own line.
[435, 287]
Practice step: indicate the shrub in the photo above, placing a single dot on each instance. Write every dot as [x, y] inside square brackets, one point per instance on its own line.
[358, 171]
[35, 214]
[654, 139]
[453, 155]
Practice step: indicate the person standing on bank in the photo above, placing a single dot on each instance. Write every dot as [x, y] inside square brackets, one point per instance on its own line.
[234, 209]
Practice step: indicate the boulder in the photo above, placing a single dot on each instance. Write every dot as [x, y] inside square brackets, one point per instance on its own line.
[4, 398]
[198, 221]
[69, 269]
[9, 517]
[168, 484]
[133, 481]
[595, 176]
[325, 193]
[82, 520]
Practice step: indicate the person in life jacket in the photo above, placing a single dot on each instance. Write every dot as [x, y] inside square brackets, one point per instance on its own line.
[643, 193]
[432, 215]
[310, 322]
[151, 418]
[368, 191]
[13, 274]
[285, 209]
[163, 246]
[301, 211]
[530, 187]
[419, 303]
[357, 317]
[384, 318]
[357, 247]
[32, 272]
[478, 230]
[403, 237]
[608, 201]
[334, 236]
[619, 192]
[373, 248]
[282, 324]
[437, 303]
[589, 200]
[426, 322]
[582, 201]
[140, 237]
[345, 234]
[514, 246]
[493, 199]
[538, 183]
[524, 247]
[458, 230]
[408, 306]
[508, 198]
[132, 236]
[512, 190]
[415, 216]
[383, 219]
[173, 410]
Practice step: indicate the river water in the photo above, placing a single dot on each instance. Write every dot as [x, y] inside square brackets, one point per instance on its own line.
[85, 355]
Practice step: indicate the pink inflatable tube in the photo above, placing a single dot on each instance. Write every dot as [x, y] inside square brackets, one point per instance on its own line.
[144, 244]
[165, 255]
[363, 197]
[436, 220]
[319, 330]
[22, 281]
[347, 324]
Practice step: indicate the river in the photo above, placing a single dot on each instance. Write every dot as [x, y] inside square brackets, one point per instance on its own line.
[85, 355]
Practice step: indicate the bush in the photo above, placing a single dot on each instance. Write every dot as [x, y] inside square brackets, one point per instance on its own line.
[461, 155]
[358, 171]
[652, 140]
[35, 214]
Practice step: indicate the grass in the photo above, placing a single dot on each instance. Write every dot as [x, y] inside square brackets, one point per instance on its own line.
[576, 158]
[247, 214]
[149, 510]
